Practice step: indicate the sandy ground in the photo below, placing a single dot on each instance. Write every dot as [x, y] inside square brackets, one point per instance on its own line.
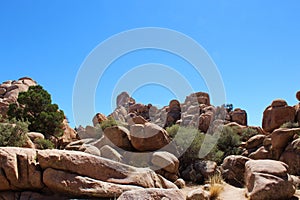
[229, 192]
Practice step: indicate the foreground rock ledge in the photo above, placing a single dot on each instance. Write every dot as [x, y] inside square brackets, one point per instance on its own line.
[72, 174]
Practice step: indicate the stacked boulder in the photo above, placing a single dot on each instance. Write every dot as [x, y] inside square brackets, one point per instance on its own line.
[69, 174]
[9, 92]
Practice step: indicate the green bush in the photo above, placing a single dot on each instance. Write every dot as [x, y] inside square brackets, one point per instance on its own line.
[172, 130]
[13, 133]
[186, 139]
[247, 134]
[227, 144]
[108, 123]
[290, 125]
[44, 143]
[36, 108]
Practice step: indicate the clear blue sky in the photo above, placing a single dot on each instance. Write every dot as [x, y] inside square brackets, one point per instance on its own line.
[255, 45]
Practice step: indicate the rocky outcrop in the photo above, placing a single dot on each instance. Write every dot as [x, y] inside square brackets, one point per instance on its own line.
[119, 136]
[98, 119]
[9, 92]
[71, 174]
[277, 114]
[268, 179]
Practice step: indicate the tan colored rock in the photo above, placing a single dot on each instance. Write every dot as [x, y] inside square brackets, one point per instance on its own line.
[119, 136]
[203, 98]
[268, 179]
[205, 120]
[153, 194]
[198, 194]
[35, 135]
[166, 161]
[124, 99]
[255, 141]
[137, 159]
[233, 169]
[68, 136]
[90, 149]
[261, 153]
[239, 116]
[180, 183]
[291, 156]
[277, 114]
[148, 137]
[21, 169]
[99, 118]
[280, 138]
[77, 186]
[110, 153]
[136, 120]
[114, 172]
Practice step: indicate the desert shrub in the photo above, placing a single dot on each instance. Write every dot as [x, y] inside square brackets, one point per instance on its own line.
[35, 107]
[247, 134]
[13, 133]
[44, 143]
[187, 139]
[172, 130]
[108, 123]
[290, 125]
[227, 144]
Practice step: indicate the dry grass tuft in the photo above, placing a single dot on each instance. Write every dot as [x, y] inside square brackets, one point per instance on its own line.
[216, 186]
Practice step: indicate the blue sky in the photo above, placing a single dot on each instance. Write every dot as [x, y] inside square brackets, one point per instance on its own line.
[255, 45]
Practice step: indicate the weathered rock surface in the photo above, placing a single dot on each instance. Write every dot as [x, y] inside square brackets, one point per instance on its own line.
[291, 156]
[280, 138]
[153, 194]
[268, 179]
[148, 137]
[80, 186]
[119, 136]
[239, 116]
[277, 114]
[166, 161]
[198, 194]
[233, 170]
[71, 174]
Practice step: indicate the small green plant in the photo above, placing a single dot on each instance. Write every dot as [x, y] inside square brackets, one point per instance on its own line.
[43, 143]
[290, 125]
[172, 130]
[13, 133]
[108, 123]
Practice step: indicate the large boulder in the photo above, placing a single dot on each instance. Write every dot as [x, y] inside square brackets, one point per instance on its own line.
[205, 120]
[124, 100]
[255, 141]
[174, 113]
[119, 136]
[19, 169]
[153, 194]
[280, 138]
[239, 116]
[108, 152]
[113, 172]
[148, 137]
[291, 156]
[166, 161]
[277, 114]
[268, 179]
[79, 186]
[233, 170]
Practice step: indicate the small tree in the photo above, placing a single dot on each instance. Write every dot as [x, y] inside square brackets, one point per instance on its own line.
[35, 107]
